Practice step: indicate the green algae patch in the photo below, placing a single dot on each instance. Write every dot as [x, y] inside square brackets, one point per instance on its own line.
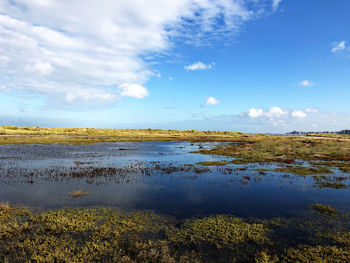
[214, 163]
[302, 170]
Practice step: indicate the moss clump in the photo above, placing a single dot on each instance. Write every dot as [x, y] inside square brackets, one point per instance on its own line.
[302, 170]
[325, 210]
[264, 257]
[220, 231]
[341, 239]
[213, 163]
[317, 254]
[108, 235]
[333, 185]
[74, 235]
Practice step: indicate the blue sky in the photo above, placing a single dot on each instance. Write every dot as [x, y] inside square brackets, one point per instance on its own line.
[241, 65]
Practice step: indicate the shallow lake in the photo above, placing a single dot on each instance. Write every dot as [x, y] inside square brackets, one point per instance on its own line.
[159, 176]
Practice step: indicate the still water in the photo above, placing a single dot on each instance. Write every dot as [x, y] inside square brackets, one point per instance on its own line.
[159, 176]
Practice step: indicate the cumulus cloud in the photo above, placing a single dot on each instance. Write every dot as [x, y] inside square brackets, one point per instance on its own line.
[254, 113]
[309, 119]
[133, 90]
[278, 113]
[71, 50]
[298, 114]
[199, 66]
[338, 46]
[306, 83]
[211, 101]
[273, 112]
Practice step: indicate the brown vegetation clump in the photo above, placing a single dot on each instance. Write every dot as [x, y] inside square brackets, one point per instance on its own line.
[78, 193]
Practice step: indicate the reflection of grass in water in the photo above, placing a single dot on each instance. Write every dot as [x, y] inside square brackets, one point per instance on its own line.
[97, 174]
[105, 234]
[302, 170]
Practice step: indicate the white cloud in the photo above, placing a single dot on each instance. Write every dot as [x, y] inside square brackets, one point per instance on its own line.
[275, 4]
[290, 120]
[39, 67]
[4, 89]
[199, 66]
[294, 120]
[311, 110]
[87, 95]
[306, 83]
[298, 114]
[338, 46]
[276, 119]
[68, 49]
[211, 101]
[133, 90]
[254, 113]
[273, 112]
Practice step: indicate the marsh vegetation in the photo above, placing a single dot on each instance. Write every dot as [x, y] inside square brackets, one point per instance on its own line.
[33, 135]
[108, 235]
[181, 198]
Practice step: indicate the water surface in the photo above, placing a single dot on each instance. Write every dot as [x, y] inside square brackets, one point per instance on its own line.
[159, 176]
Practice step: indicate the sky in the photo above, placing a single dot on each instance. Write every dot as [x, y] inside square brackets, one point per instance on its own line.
[239, 65]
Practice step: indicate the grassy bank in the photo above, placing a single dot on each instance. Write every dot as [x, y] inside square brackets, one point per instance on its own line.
[34, 135]
[322, 153]
[108, 235]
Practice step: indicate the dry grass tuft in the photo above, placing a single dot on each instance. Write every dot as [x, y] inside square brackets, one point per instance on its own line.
[78, 193]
